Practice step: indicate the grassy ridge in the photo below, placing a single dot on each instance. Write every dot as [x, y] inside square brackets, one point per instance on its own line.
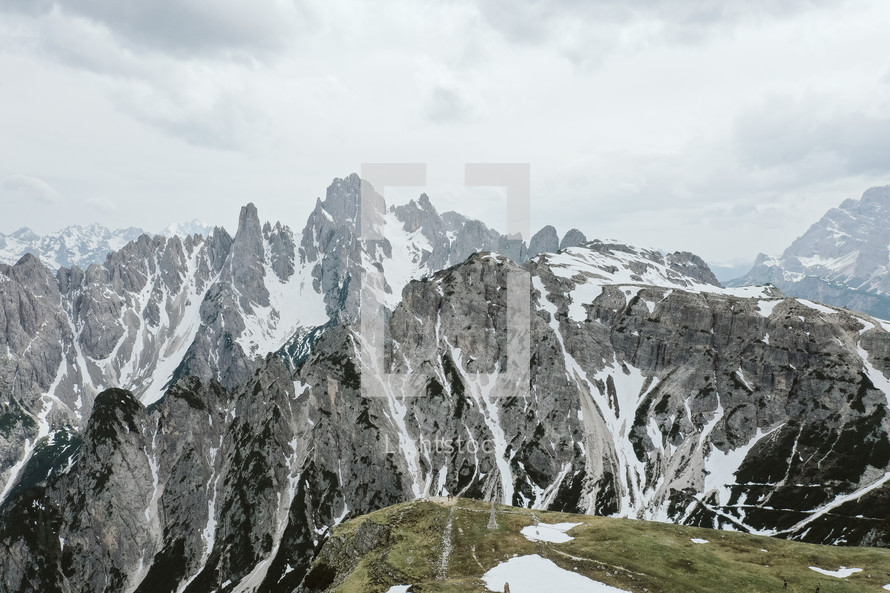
[631, 555]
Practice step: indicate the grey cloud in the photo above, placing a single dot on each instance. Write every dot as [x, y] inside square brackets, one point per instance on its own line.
[228, 122]
[206, 102]
[534, 21]
[783, 133]
[86, 45]
[184, 26]
[32, 7]
[447, 106]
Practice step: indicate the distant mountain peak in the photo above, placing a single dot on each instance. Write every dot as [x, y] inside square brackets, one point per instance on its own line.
[75, 245]
[843, 259]
[877, 195]
[187, 229]
[25, 234]
[84, 244]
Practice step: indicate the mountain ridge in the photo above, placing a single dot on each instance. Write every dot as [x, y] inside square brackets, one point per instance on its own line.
[403, 548]
[84, 245]
[652, 393]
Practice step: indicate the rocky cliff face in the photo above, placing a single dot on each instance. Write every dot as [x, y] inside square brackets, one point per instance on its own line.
[843, 260]
[164, 308]
[652, 392]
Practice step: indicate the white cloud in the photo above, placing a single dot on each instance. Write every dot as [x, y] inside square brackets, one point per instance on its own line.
[30, 188]
[589, 31]
[676, 124]
[185, 27]
[102, 204]
[821, 137]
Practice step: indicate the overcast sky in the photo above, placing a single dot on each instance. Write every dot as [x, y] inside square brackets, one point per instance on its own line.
[677, 124]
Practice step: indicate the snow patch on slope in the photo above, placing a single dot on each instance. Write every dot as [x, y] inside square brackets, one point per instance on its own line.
[293, 304]
[555, 533]
[534, 574]
[406, 263]
[842, 573]
[878, 379]
[721, 467]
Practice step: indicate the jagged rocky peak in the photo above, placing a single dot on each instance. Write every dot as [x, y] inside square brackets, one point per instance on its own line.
[128, 269]
[573, 238]
[418, 214]
[853, 231]
[27, 294]
[249, 236]
[421, 217]
[282, 251]
[878, 196]
[330, 246]
[544, 241]
[27, 266]
[247, 259]
[343, 198]
[339, 213]
[218, 246]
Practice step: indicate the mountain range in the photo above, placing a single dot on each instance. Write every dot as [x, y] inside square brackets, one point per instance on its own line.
[195, 413]
[82, 245]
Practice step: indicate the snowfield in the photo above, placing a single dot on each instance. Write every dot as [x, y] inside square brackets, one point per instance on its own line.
[841, 573]
[534, 574]
[555, 533]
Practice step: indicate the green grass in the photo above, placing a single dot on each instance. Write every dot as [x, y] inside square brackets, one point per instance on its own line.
[631, 555]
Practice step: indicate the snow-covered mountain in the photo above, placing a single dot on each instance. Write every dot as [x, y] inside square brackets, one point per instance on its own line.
[187, 229]
[83, 246]
[209, 308]
[201, 398]
[842, 260]
[72, 246]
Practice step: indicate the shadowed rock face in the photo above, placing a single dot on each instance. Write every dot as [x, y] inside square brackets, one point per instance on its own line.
[842, 260]
[573, 238]
[652, 393]
[544, 241]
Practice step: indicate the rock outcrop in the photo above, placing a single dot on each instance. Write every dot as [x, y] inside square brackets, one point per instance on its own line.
[573, 238]
[544, 241]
